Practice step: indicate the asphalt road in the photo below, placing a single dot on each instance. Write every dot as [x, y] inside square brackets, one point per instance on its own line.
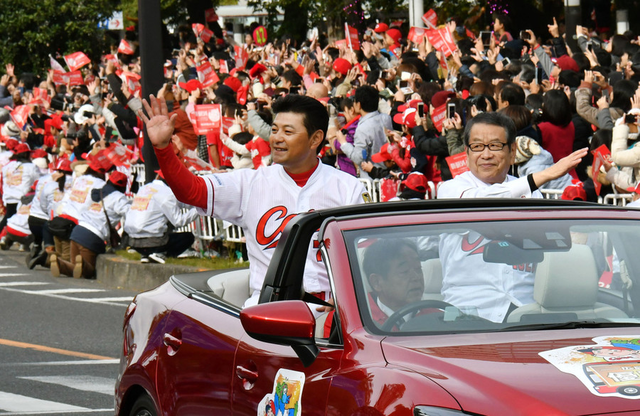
[60, 340]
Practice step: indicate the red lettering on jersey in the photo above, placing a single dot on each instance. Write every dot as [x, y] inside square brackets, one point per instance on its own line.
[473, 248]
[528, 267]
[270, 241]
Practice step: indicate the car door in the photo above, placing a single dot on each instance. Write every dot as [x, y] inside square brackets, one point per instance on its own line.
[272, 376]
[196, 361]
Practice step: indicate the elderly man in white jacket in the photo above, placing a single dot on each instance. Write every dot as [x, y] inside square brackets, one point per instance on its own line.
[147, 223]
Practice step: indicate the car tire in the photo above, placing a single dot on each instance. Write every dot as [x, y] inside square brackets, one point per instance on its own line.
[143, 407]
[629, 390]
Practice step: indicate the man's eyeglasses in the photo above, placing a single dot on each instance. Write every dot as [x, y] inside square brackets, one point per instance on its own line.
[494, 147]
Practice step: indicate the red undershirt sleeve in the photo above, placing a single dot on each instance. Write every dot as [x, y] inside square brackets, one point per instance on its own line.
[187, 187]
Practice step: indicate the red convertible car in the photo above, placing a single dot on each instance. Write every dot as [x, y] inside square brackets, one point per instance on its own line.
[442, 308]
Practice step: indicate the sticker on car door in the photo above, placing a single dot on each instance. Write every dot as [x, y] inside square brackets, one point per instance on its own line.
[609, 368]
[286, 398]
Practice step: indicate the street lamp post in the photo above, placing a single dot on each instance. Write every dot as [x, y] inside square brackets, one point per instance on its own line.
[572, 14]
[416, 10]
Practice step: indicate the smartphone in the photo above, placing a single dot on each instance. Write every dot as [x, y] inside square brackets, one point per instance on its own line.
[405, 76]
[505, 62]
[404, 84]
[421, 109]
[524, 35]
[486, 38]
[319, 80]
[451, 110]
[590, 47]
[294, 90]
[629, 118]
[539, 75]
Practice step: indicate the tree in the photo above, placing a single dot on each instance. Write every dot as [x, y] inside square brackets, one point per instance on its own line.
[34, 29]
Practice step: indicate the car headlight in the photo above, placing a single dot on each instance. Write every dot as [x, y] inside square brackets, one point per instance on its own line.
[437, 411]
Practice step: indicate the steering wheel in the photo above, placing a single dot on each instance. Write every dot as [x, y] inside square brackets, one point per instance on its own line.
[413, 307]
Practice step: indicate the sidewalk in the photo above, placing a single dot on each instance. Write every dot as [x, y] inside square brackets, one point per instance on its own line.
[118, 273]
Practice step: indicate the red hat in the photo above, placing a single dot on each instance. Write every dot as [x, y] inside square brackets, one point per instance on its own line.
[381, 28]
[233, 83]
[383, 155]
[342, 66]
[191, 85]
[416, 181]
[441, 97]
[64, 165]
[409, 104]
[118, 179]
[566, 62]
[395, 35]
[21, 148]
[574, 192]
[11, 144]
[256, 70]
[407, 118]
[56, 121]
[38, 153]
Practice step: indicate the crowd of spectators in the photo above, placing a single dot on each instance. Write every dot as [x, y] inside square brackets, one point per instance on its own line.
[397, 109]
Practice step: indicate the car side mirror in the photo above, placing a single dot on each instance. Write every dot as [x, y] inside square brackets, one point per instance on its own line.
[288, 322]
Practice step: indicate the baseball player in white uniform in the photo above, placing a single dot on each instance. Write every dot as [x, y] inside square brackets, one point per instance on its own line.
[263, 201]
[490, 146]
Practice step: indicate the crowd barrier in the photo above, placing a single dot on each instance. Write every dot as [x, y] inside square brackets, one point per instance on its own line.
[207, 229]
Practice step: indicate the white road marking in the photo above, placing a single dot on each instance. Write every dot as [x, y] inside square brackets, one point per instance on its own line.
[8, 267]
[58, 296]
[12, 274]
[23, 404]
[76, 362]
[61, 291]
[121, 299]
[5, 284]
[85, 383]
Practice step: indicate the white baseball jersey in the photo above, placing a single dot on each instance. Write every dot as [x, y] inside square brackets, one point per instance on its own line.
[17, 178]
[466, 185]
[263, 201]
[93, 218]
[20, 220]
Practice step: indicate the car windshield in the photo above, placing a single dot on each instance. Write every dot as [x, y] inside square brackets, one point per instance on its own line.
[495, 275]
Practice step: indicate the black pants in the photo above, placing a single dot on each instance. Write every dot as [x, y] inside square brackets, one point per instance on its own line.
[10, 209]
[36, 226]
[178, 243]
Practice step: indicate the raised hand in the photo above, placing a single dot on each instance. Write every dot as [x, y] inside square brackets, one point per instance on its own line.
[159, 125]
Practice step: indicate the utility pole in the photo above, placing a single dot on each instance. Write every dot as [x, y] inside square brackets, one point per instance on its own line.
[572, 17]
[151, 62]
[416, 10]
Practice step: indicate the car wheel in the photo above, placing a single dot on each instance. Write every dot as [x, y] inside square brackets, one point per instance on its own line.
[629, 390]
[143, 407]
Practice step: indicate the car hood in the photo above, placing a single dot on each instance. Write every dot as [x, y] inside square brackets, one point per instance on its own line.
[508, 374]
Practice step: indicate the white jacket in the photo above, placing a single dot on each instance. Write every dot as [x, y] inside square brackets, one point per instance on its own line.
[94, 220]
[17, 179]
[153, 207]
[78, 198]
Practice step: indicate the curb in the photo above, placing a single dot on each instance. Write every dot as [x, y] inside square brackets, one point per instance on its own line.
[118, 273]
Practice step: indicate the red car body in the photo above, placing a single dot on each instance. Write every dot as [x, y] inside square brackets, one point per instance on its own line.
[189, 352]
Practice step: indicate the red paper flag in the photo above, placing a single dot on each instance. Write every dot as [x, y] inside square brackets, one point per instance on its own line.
[457, 163]
[125, 48]
[600, 154]
[224, 68]
[438, 116]
[76, 60]
[132, 81]
[430, 19]
[20, 115]
[197, 28]
[352, 37]
[241, 56]
[210, 15]
[416, 35]
[55, 65]
[192, 159]
[206, 74]
[206, 35]
[206, 118]
[119, 155]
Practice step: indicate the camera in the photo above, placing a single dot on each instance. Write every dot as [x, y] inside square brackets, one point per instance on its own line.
[61, 105]
[629, 118]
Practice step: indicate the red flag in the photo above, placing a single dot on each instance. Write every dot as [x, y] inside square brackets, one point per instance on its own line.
[206, 35]
[241, 56]
[600, 154]
[67, 78]
[416, 35]
[352, 37]
[206, 74]
[438, 116]
[133, 82]
[40, 97]
[192, 159]
[119, 155]
[197, 28]
[125, 48]
[207, 118]
[76, 60]
[20, 115]
[430, 19]
[457, 163]
[224, 68]
[55, 65]
[210, 15]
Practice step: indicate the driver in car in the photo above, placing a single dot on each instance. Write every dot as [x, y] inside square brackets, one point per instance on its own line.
[394, 271]
[492, 289]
